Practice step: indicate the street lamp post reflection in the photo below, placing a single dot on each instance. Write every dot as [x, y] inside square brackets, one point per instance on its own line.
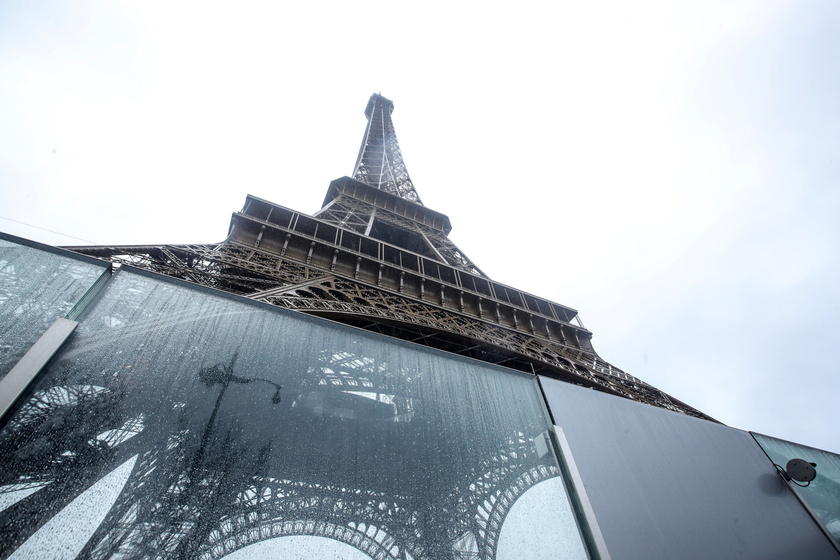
[218, 374]
[223, 374]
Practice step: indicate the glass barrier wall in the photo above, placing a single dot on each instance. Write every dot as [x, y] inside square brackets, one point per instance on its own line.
[823, 493]
[37, 286]
[181, 423]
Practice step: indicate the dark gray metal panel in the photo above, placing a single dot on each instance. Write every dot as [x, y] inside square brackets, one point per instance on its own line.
[665, 485]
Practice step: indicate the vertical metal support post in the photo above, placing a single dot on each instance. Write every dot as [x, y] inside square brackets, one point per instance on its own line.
[587, 522]
[568, 465]
[21, 376]
[285, 245]
[311, 250]
[260, 236]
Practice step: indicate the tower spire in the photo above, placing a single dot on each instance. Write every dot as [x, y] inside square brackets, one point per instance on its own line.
[380, 163]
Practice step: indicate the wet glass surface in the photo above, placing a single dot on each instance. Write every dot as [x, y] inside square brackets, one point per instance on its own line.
[194, 425]
[36, 288]
[822, 493]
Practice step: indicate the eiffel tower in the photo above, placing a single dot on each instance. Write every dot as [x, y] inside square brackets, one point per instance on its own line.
[376, 258]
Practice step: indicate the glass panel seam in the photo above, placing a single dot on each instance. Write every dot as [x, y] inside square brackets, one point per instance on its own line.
[90, 295]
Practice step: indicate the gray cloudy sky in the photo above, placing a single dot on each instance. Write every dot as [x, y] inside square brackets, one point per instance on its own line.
[669, 169]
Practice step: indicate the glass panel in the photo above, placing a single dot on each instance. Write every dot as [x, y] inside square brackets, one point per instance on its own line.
[823, 493]
[36, 288]
[258, 426]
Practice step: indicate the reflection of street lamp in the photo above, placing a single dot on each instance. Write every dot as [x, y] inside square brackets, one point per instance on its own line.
[221, 374]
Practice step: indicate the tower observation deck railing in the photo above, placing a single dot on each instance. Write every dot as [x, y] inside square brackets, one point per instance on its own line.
[353, 242]
[264, 213]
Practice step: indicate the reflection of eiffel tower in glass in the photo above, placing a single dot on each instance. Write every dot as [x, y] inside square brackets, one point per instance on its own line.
[373, 256]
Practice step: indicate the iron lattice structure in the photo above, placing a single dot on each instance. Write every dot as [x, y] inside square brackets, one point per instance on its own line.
[374, 257]
[380, 162]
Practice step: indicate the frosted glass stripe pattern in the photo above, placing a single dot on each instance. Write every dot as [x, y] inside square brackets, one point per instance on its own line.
[64, 536]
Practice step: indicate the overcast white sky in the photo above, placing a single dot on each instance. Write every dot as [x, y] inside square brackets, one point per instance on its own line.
[669, 169]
